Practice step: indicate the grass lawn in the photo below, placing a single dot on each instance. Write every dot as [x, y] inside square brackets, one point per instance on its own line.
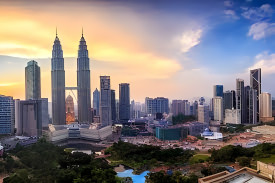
[271, 159]
[199, 158]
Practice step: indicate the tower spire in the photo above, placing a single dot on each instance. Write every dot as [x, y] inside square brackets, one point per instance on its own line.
[82, 31]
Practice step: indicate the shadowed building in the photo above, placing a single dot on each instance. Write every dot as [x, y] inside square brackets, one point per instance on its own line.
[113, 104]
[58, 84]
[105, 110]
[70, 116]
[83, 83]
[96, 97]
[256, 83]
[32, 81]
[124, 101]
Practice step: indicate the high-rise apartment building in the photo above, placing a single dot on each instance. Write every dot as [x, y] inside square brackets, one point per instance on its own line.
[218, 91]
[178, 107]
[32, 81]
[7, 118]
[124, 101]
[255, 83]
[195, 109]
[156, 105]
[96, 97]
[58, 84]
[218, 108]
[105, 110]
[113, 105]
[83, 83]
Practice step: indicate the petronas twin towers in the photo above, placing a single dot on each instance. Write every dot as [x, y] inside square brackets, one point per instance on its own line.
[58, 83]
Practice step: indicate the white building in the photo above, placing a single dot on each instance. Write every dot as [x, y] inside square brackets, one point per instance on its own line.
[232, 116]
[218, 108]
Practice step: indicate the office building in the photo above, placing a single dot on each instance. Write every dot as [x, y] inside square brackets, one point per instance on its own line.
[32, 81]
[255, 83]
[124, 101]
[229, 99]
[203, 113]
[156, 105]
[45, 112]
[252, 107]
[265, 107]
[240, 98]
[113, 105]
[218, 91]
[58, 84]
[16, 113]
[32, 116]
[83, 83]
[273, 107]
[7, 118]
[195, 109]
[70, 114]
[96, 97]
[105, 110]
[218, 108]
[232, 116]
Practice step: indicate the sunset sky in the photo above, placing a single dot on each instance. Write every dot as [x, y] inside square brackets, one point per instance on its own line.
[174, 49]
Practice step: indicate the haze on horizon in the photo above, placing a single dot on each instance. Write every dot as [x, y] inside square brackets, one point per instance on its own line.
[174, 49]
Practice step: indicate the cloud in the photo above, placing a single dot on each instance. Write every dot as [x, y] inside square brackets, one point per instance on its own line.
[266, 62]
[190, 39]
[258, 14]
[228, 3]
[261, 30]
[231, 14]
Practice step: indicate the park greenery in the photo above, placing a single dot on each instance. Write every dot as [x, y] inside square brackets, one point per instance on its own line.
[242, 155]
[44, 162]
[181, 118]
[144, 157]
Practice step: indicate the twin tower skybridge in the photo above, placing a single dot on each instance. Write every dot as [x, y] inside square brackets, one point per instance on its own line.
[72, 89]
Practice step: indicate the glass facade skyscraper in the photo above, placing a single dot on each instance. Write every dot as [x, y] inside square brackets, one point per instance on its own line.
[7, 118]
[96, 96]
[32, 81]
[58, 84]
[218, 91]
[83, 83]
[105, 110]
[124, 101]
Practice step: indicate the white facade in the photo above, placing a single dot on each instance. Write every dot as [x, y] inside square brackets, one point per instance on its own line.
[265, 105]
[203, 113]
[218, 108]
[232, 116]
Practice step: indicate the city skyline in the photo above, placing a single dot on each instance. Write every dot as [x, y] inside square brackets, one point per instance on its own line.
[195, 46]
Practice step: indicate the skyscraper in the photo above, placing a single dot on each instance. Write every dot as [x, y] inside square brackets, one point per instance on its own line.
[113, 105]
[124, 101]
[32, 81]
[70, 115]
[83, 83]
[105, 110]
[253, 107]
[58, 84]
[265, 107]
[218, 108]
[203, 113]
[229, 100]
[240, 99]
[218, 91]
[96, 96]
[255, 83]
[7, 118]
